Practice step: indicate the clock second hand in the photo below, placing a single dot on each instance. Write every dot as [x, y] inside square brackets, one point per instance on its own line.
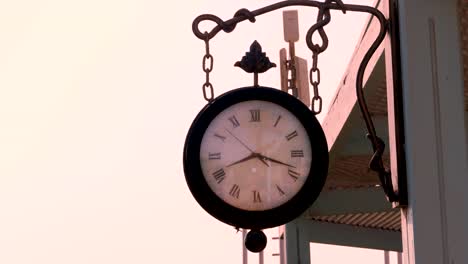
[253, 154]
[247, 147]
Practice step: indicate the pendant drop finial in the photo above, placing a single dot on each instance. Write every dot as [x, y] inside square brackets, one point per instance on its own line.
[255, 241]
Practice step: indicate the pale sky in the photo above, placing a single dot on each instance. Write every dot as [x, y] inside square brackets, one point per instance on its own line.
[96, 97]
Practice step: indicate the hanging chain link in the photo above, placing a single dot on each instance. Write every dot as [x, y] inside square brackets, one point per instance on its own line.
[315, 81]
[207, 65]
[323, 18]
[291, 70]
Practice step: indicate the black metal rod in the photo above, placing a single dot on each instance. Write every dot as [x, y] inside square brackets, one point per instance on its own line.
[222, 25]
[230, 24]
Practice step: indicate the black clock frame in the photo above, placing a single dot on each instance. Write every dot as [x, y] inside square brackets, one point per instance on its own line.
[231, 215]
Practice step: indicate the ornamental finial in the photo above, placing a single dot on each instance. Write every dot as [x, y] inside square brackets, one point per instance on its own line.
[255, 61]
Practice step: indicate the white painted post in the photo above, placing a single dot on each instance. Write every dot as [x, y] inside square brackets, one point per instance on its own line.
[386, 257]
[245, 255]
[291, 35]
[302, 80]
[282, 244]
[283, 70]
[297, 245]
[291, 26]
[434, 226]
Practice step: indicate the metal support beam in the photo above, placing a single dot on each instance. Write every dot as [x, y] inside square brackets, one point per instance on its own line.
[245, 257]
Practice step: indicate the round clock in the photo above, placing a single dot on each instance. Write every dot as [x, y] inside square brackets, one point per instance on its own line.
[255, 158]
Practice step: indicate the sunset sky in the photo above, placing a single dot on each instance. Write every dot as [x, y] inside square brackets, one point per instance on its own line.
[96, 97]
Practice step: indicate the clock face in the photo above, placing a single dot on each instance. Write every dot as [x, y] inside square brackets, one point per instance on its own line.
[255, 158]
[255, 155]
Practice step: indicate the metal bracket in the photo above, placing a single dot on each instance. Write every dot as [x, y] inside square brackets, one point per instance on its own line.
[378, 145]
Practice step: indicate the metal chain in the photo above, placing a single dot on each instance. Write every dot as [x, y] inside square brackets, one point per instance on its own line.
[323, 18]
[291, 69]
[207, 65]
[316, 100]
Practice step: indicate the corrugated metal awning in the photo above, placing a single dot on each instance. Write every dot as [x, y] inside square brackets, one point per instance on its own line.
[387, 220]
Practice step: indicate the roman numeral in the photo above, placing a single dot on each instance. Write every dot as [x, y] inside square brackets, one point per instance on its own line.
[235, 191]
[295, 175]
[291, 135]
[219, 175]
[297, 153]
[277, 121]
[280, 190]
[234, 121]
[255, 115]
[213, 156]
[256, 197]
[220, 137]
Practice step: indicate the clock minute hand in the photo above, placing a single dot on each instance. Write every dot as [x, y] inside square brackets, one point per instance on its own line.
[253, 155]
[275, 161]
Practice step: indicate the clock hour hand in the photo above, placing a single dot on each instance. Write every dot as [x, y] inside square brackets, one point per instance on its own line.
[275, 161]
[251, 156]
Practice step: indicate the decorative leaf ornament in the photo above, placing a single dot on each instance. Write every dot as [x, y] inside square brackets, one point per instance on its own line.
[255, 61]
